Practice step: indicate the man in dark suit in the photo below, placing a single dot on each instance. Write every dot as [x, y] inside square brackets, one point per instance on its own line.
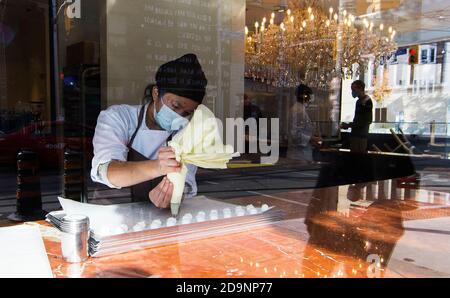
[362, 120]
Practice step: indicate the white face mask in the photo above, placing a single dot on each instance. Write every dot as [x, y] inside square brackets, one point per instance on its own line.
[168, 119]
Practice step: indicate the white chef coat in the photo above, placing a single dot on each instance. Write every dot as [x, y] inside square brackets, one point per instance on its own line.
[115, 127]
[301, 129]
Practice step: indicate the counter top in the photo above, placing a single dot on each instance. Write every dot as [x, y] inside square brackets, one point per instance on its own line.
[379, 229]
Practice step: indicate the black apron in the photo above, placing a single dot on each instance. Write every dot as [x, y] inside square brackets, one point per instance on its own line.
[140, 192]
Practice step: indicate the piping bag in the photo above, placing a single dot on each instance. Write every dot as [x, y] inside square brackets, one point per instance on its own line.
[199, 144]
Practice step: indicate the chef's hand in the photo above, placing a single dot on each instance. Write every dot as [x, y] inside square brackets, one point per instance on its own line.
[160, 196]
[167, 162]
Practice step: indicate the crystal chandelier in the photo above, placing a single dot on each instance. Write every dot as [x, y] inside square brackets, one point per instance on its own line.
[313, 46]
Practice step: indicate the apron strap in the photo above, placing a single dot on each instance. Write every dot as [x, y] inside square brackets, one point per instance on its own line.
[140, 120]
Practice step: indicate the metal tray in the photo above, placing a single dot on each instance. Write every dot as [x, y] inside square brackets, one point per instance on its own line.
[113, 216]
[132, 241]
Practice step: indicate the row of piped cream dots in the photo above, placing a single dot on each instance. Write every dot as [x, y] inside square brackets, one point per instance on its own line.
[188, 218]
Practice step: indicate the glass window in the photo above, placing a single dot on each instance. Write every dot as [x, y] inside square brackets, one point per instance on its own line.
[334, 106]
[97, 54]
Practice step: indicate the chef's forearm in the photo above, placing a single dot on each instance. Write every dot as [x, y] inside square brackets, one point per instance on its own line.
[125, 174]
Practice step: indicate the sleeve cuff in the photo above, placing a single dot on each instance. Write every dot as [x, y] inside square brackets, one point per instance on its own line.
[102, 175]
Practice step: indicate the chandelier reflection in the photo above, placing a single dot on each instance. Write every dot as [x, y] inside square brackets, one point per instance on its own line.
[313, 46]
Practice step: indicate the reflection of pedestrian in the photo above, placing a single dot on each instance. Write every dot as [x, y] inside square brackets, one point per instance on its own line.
[362, 120]
[301, 129]
[251, 111]
[353, 237]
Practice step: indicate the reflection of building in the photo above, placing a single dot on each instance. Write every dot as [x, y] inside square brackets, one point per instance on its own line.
[418, 77]
[418, 74]
[422, 62]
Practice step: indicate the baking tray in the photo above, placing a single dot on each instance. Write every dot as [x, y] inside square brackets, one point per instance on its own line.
[103, 246]
[113, 216]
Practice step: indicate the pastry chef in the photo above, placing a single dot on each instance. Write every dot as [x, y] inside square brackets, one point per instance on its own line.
[130, 142]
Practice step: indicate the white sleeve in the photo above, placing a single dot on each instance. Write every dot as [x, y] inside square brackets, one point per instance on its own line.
[110, 143]
[190, 189]
[301, 127]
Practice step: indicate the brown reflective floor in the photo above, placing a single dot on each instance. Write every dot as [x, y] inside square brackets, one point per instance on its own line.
[379, 229]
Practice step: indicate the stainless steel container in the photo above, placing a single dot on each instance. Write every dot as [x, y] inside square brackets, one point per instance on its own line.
[74, 238]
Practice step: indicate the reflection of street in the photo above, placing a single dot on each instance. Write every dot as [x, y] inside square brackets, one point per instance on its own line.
[51, 188]
[339, 238]
[233, 183]
[218, 184]
[359, 234]
[375, 236]
[324, 234]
